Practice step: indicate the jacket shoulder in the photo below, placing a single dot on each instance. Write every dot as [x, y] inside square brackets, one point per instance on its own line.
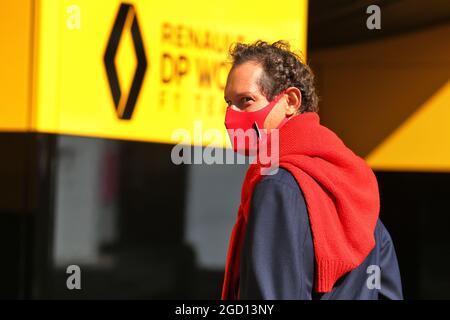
[280, 176]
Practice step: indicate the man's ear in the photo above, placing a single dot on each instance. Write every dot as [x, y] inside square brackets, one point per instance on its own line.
[293, 100]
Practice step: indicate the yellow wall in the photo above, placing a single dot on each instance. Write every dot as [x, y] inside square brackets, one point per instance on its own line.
[390, 99]
[16, 20]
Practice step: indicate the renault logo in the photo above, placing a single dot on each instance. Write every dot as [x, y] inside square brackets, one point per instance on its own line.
[126, 20]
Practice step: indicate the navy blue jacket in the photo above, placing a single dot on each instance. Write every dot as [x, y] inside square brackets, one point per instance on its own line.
[277, 257]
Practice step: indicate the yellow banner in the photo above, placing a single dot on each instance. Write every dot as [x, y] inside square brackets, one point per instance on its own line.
[141, 70]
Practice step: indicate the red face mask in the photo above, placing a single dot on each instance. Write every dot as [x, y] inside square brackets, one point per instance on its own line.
[246, 128]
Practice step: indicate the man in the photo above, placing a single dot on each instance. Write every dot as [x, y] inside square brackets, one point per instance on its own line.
[311, 229]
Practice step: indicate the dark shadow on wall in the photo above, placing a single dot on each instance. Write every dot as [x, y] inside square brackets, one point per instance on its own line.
[114, 208]
[416, 211]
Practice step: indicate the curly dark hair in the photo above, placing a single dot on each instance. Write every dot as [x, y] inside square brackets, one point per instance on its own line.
[282, 69]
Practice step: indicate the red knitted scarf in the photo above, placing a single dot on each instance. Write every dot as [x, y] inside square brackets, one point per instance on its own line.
[341, 194]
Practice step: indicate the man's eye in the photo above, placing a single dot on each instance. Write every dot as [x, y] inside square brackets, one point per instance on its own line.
[246, 99]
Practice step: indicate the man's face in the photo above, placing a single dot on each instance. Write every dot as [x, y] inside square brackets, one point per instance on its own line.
[243, 92]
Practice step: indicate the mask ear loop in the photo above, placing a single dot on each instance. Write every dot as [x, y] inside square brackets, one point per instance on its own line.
[256, 128]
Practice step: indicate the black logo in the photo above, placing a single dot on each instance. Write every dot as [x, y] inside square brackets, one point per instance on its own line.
[125, 104]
